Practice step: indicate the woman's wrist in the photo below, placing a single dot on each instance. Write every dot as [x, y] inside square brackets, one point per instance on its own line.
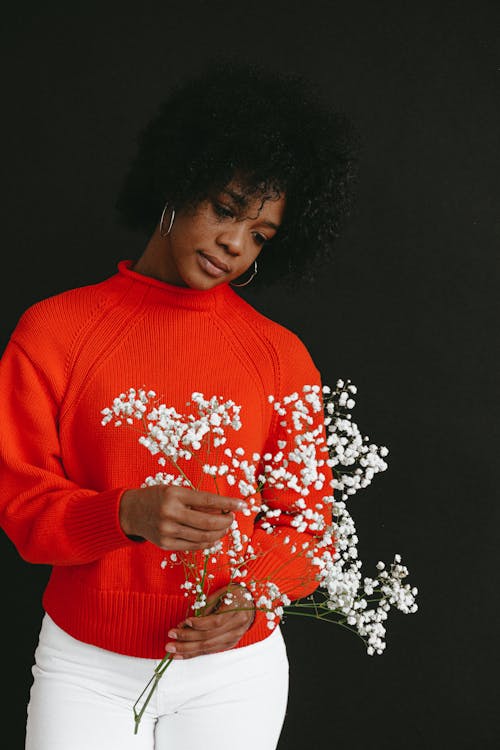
[125, 516]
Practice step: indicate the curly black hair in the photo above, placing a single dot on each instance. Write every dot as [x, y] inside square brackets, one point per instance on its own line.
[270, 129]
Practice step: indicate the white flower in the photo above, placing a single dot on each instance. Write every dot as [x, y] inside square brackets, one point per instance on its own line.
[318, 449]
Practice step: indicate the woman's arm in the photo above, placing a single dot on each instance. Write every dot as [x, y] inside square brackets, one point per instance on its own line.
[50, 519]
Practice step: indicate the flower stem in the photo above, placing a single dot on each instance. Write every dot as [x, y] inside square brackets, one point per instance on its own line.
[159, 671]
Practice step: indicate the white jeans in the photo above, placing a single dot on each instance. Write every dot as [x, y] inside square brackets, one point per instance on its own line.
[82, 698]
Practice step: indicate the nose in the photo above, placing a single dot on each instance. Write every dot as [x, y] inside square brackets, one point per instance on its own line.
[232, 238]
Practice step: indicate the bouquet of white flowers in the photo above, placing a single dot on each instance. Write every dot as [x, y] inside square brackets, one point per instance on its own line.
[296, 465]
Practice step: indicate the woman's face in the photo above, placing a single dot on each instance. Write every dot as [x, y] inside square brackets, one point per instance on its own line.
[219, 240]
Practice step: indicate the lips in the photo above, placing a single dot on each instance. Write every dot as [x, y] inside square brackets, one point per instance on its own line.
[215, 261]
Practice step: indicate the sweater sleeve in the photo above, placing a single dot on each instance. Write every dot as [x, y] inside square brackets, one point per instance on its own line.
[281, 555]
[50, 519]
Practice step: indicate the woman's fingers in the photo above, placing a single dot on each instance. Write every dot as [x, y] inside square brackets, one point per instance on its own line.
[225, 619]
[204, 521]
[209, 501]
[201, 537]
[196, 518]
[193, 526]
[177, 518]
[218, 633]
[196, 627]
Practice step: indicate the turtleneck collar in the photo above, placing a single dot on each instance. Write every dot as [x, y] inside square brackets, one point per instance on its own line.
[160, 292]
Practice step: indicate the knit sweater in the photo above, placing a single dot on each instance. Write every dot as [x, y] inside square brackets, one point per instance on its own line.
[63, 473]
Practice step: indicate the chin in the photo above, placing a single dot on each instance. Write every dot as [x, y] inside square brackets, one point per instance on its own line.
[201, 282]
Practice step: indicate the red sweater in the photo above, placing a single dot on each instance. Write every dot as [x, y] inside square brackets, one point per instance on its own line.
[63, 473]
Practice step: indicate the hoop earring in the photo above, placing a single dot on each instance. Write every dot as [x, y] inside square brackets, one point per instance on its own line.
[172, 217]
[251, 277]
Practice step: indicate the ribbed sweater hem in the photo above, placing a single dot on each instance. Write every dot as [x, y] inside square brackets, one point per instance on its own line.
[128, 622]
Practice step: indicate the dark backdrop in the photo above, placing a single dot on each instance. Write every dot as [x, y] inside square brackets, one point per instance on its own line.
[408, 310]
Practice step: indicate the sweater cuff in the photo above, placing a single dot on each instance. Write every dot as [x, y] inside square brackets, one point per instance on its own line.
[92, 521]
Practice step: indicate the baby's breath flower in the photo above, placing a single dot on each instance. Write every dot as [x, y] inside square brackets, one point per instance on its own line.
[318, 448]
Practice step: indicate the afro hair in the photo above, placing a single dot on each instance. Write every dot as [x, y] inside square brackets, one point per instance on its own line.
[270, 129]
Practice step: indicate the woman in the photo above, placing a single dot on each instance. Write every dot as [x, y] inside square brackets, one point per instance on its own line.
[241, 176]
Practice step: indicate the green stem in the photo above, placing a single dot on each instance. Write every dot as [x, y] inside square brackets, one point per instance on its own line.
[181, 472]
[202, 584]
[159, 671]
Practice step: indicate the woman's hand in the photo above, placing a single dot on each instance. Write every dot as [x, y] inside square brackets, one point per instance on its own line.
[219, 628]
[177, 518]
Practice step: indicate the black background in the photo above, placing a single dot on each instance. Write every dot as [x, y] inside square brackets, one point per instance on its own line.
[408, 310]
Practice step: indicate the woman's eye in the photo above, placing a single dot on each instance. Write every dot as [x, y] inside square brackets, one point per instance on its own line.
[259, 238]
[223, 211]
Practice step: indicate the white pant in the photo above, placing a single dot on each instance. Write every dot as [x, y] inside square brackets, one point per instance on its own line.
[82, 698]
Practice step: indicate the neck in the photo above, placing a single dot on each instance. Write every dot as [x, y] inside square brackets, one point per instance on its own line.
[161, 292]
[155, 261]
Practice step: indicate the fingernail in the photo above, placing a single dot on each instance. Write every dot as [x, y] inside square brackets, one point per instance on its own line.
[188, 624]
[172, 634]
[242, 505]
[170, 647]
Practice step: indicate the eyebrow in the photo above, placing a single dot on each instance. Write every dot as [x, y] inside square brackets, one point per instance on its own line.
[241, 201]
[271, 224]
[237, 197]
